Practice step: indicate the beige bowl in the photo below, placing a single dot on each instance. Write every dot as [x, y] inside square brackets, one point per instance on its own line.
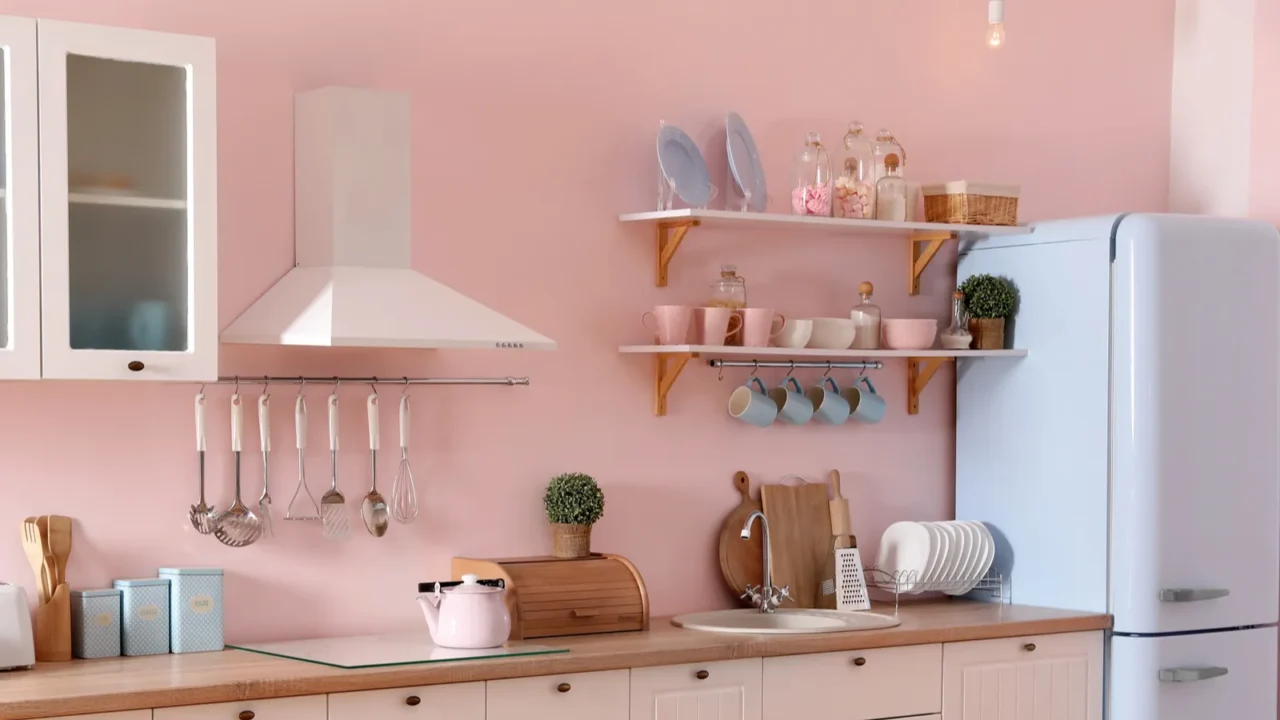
[909, 334]
[832, 334]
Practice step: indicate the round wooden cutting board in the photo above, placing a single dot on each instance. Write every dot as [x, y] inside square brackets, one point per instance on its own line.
[741, 561]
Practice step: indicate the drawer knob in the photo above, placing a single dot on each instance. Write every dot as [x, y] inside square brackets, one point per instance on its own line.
[563, 687]
[244, 714]
[412, 700]
[1029, 647]
[859, 661]
[702, 674]
[136, 366]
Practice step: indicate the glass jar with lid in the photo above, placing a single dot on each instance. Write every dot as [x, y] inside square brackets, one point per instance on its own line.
[855, 185]
[884, 146]
[866, 320]
[957, 337]
[730, 291]
[811, 181]
[891, 192]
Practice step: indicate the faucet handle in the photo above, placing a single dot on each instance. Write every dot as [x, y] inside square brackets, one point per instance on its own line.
[784, 593]
[752, 593]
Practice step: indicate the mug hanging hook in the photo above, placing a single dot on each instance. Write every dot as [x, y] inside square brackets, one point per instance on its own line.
[720, 374]
[302, 385]
[755, 369]
[827, 374]
[374, 385]
[265, 382]
[405, 391]
[201, 388]
[863, 371]
[337, 381]
[237, 388]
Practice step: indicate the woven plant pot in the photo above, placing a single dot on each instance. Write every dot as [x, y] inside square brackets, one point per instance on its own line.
[570, 541]
[988, 333]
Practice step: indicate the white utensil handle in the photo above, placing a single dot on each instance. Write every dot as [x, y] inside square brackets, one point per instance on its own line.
[200, 443]
[404, 421]
[372, 404]
[264, 421]
[333, 422]
[300, 421]
[237, 421]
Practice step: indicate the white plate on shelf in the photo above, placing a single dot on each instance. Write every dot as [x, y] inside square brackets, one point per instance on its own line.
[904, 553]
[682, 164]
[744, 162]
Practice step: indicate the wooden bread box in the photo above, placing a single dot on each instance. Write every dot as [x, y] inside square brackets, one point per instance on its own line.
[550, 596]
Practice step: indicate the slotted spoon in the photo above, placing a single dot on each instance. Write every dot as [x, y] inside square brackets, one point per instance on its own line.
[333, 510]
[203, 517]
[404, 497]
[238, 526]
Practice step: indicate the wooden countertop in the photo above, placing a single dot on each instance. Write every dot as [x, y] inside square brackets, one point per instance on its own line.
[95, 686]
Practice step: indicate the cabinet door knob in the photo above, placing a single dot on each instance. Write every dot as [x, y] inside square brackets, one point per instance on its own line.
[1029, 647]
[702, 674]
[136, 366]
[412, 700]
[563, 687]
[244, 714]
[859, 661]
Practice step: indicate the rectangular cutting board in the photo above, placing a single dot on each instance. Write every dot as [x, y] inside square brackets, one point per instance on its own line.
[799, 538]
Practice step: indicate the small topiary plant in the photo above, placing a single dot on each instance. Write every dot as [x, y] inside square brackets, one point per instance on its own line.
[573, 499]
[990, 296]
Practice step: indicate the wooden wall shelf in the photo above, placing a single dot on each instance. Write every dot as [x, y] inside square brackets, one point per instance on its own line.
[924, 239]
[669, 361]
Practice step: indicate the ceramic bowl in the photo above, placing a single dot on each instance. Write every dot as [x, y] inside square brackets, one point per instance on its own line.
[909, 334]
[794, 334]
[832, 334]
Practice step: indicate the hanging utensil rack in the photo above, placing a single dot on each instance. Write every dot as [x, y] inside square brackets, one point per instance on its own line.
[373, 380]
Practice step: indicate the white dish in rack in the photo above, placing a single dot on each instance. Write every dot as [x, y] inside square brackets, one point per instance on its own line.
[904, 554]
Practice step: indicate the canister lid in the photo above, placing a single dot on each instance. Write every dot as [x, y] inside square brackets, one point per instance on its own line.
[190, 571]
[94, 593]
[140, 582]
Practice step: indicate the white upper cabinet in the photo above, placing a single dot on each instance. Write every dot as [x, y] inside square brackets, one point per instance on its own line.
[19, 203]
[128, 202]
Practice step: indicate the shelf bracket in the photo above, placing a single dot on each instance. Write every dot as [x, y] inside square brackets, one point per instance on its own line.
[932, 241]
[666, 370]
[919, 372]
[670, 235]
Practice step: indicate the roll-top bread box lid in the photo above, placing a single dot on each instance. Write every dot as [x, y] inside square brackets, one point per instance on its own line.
[549, 596]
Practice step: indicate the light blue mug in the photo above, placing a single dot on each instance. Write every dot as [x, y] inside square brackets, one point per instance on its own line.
[864, 405]
[793, 406]
[149, 326]
[753, 406]
[828, 406]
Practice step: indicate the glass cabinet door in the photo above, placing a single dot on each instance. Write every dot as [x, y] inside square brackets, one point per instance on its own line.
[128, 203]
[19, 203]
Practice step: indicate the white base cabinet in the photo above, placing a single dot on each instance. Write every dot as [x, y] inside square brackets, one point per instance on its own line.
[306, 707]
[464, 701]
[727, 690]
[857, 685]
[126, 715]
[576, 696]
[1045, 677]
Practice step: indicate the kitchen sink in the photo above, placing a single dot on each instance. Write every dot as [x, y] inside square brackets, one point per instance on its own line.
[784, 622]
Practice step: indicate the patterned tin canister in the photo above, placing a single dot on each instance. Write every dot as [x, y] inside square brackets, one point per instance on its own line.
[144, 616]
[95, 623]
[196, 603]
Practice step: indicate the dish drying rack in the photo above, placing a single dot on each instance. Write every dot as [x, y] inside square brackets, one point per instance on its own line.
[992, 585]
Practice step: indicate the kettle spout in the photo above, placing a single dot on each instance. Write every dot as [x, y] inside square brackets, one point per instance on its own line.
[430, 603]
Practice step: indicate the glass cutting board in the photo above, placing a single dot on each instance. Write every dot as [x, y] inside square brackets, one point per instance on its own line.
[381, 650]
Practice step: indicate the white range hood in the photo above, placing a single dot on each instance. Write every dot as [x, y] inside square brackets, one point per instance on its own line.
[353, 285]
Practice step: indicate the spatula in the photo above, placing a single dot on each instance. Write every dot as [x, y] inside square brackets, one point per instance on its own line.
[333, 510]
[60, 547]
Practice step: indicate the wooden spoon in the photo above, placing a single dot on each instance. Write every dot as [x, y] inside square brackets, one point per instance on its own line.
[60, 546]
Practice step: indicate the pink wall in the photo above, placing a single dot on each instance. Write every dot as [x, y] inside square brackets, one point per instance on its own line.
[1264, 186]
[535, 127]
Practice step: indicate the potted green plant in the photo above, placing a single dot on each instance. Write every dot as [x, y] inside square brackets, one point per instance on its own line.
[989, 301]
[574, 502]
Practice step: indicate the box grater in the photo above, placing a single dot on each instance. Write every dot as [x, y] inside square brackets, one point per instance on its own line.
[851, 584]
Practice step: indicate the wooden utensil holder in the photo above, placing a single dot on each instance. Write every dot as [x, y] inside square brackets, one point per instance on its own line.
[53, 627]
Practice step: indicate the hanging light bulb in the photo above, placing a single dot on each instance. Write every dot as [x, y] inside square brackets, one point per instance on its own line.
[995, 24]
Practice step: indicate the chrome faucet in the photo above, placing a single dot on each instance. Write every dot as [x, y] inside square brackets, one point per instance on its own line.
[767, 597]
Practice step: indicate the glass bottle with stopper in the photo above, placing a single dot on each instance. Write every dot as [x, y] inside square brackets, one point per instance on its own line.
[866, 320]
[856, 185]
[884, 145]
[730, 291]
[957, 336]
[891, 192]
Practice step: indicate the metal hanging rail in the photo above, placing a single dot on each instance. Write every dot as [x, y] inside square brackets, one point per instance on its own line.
[802, 365]
[374, 380]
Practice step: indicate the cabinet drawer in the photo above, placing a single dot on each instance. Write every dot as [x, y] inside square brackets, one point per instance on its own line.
[574, 696]
[124, 715]
[1033, 678]
[856, 685]
[434, 702]
[307, 707]
[728, 690]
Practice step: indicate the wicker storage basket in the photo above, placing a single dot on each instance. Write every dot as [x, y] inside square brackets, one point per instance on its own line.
[969, 203]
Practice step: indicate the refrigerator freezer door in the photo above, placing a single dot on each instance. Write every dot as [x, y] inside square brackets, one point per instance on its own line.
[1229, 674]
[1195, 494]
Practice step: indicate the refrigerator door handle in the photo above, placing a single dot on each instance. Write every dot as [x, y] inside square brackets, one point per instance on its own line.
[1180, 675]
[1182, 595]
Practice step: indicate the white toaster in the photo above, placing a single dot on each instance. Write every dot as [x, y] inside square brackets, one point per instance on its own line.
[17, 647]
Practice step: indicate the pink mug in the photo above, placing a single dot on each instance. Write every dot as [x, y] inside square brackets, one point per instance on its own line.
[758, 326]
[713, 325]
[672, 323]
